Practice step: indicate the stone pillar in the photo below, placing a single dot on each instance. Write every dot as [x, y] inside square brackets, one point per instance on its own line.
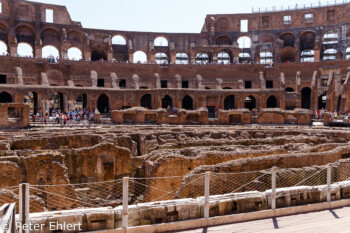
[314, 92]
[135, 82]
[282, 81]
[172, 53]
[157, 78]
[19, 75]
[298, 82]
[178, 81]
[331, 92]
[240, 84]
[114, 79]
[44, 79]
[199, 82]
[94, 78]
[262, 80]
[13, 49]
[219, 84]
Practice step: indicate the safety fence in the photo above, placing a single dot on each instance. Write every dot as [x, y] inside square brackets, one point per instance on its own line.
[284, 187]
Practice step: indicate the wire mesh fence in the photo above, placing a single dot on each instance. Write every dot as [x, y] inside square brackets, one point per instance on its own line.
[10, 195]
[73, 196]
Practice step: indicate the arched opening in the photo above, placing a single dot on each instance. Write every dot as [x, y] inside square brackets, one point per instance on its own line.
[50, 51]
[81, 102]
[202, 58]
[118, 40]
[330, 37]
[3, 48]
[182, 58]
[307, 56]
[329, 55]
[5, 97]
[307, 41]
[223, 40]
[56, 102]
[75, 54]
[103, 104]
[146, 101]
[244, 42]
[224, 58]
[250, 102]
[266, 57]
[140, 57]
[322, 101]
[288, 54]
[162, 58]
[244, 57]
[271, 102]
[339, 103]
[161, 41]
[288, 39]
[229, 102]
[24, 50]
[187, 103]
[31, 99]
[306, 98]
[167, 101]
[289, 89]
[98, 54]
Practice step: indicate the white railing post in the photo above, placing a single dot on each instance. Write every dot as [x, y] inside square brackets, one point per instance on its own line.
[125, 218]
[273, 188]
[207, 193]
[329, 181]
[24, 206]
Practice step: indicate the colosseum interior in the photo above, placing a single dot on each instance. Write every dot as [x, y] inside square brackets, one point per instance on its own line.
[248, 94]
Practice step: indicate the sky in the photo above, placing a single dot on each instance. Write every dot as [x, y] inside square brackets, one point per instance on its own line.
[162, 15]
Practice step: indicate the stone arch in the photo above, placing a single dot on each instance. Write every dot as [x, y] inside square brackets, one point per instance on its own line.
[50, 50]
[5, 97]
[244, 42]
[288, 39]
[307, 40]
[250, 102]
[223, 40]
[146, 101]
[75, 54]
[167, 101]
[81, 101]
[161, 41]
[25, 49]
[187, 103]
[229, 102]
[103, 104]
[271, 102]
[25, 33]
[119, 40]
[182, 58]
[51, 36]
[330, 37]
[76, 39]
[56, 101]
[98, 53]
[140, 57]
[202, 58]
[306, 98]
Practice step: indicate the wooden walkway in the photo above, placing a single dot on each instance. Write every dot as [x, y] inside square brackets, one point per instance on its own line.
[337, 220]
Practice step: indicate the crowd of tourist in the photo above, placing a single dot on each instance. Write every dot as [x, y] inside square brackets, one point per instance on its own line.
[63, 118]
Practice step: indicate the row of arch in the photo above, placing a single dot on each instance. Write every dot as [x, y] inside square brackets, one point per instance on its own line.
[26, 50]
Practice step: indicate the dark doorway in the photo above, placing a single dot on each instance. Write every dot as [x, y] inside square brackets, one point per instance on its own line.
[166, 101]
[2, 79]
[250, 102]
[5, 97]
[271, 102]
[31, 99]
[98, 54]
[322, 101]
[289, 89]
[146, 101]
[211, 112]
[100, 82]
[103, 104]
[339, 103]
[229, 102]
[184, 84]
[306, 98]
[187, 103]
[81, 102]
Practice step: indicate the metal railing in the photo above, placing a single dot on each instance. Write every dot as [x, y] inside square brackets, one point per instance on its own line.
[8, 218]
[299, 6]
[137, 196]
